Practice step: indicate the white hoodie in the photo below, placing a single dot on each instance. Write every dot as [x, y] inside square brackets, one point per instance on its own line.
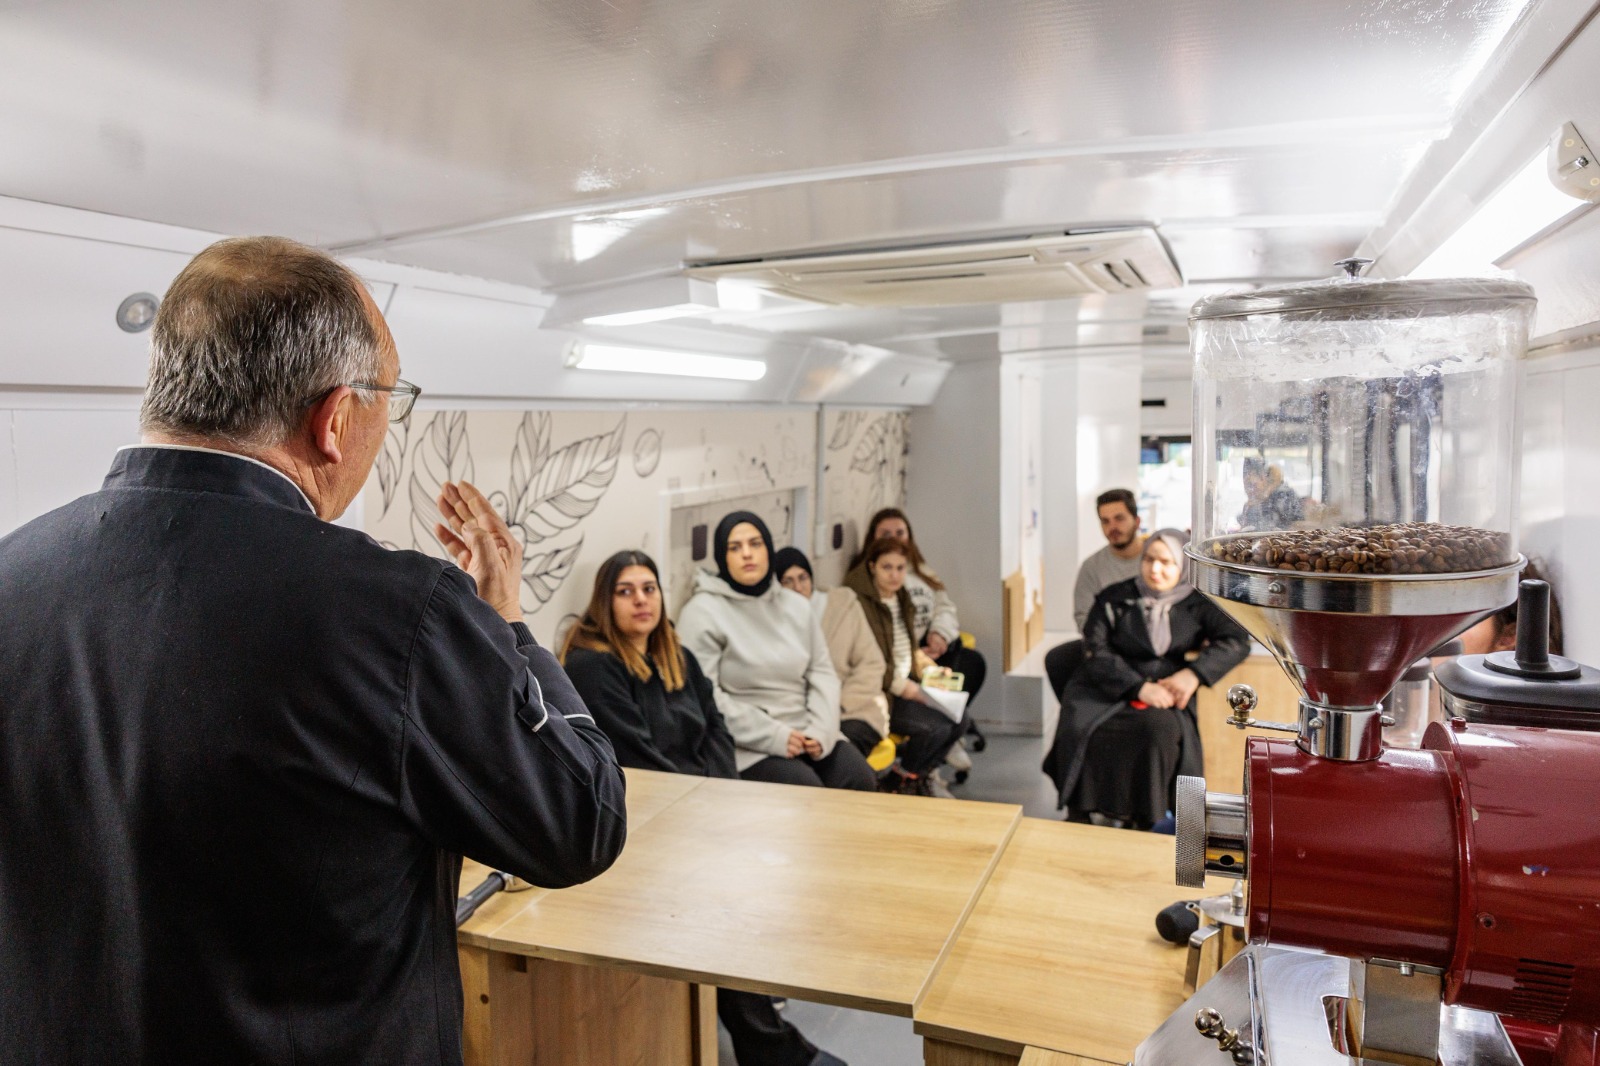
[769, 663]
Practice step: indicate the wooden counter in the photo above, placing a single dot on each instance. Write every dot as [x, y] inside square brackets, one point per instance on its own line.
[649, 793]
[1061, 951]
[838, 897]
[996, 933]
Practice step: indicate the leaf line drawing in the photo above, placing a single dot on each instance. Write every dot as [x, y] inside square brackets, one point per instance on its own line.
[550, 492]
[542, 574]
[880, 454]
[845, 429]
[391, 461]
[442, 453]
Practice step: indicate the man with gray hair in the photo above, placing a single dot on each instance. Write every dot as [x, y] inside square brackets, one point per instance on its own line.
[242, 749]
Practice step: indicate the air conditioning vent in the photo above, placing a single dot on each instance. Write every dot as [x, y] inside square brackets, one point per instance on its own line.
[1049, 267]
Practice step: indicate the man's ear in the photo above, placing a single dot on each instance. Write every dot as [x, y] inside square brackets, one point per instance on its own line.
[329, 421]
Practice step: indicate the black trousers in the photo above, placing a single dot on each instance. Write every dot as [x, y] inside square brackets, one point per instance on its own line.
[929, 734]
[843, 767]
[1061, 662]
[760, 1035]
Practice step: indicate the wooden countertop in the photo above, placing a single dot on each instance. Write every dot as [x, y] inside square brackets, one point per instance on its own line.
[847, 898]
[649, 793]
[1061, 951]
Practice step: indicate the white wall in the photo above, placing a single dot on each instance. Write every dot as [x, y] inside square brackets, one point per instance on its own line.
[1560, 513]
[953, 496]
[1092, 430]
[55, 448]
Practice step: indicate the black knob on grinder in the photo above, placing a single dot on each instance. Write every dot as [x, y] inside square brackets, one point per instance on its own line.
[1177, 922]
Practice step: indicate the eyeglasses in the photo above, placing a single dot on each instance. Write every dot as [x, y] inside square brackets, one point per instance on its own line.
[402, 397]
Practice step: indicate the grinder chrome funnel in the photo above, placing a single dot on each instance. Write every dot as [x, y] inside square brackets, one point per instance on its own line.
[1345, 639]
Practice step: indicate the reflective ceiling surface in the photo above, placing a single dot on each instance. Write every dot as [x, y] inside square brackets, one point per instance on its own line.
[570, 143]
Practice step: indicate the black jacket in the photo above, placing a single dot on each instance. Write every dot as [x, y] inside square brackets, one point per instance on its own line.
[1118, 660]
[241, 750]
[679, 732]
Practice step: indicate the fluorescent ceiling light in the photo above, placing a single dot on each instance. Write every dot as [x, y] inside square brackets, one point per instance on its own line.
[1524, 206]
[648, 314]
[586, 356]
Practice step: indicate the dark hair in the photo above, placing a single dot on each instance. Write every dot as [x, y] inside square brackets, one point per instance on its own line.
[885, 546]
[596, 629]
[1505, 619]
[785, 558]
[1122, 496]
[251, 332]
[909, 548]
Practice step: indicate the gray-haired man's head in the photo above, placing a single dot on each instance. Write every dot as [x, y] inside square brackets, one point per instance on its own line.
[252, 333]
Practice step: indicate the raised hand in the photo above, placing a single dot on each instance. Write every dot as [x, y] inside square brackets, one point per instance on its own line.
[482, 544]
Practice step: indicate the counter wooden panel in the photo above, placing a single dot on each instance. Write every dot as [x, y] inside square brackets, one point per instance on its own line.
[649, 793]
[847, 898]
[537, 1012]
[1061, 951]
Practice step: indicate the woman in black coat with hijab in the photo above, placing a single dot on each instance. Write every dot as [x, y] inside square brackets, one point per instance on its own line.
[1128, 725]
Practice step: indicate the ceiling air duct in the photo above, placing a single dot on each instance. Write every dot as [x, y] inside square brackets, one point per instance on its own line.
[1050, 266]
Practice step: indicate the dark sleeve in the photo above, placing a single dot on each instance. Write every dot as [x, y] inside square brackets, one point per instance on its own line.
[500, 760]
[1228, 644]
[1104, 671]
[602, 680]
[718, 747]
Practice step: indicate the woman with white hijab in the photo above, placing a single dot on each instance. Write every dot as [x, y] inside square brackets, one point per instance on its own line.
[1128, 726]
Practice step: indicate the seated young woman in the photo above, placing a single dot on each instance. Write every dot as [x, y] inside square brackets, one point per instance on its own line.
[880, 585]
[935, 625]
[762, 650]
[649, 696]
[863, 706]
[1128, 725]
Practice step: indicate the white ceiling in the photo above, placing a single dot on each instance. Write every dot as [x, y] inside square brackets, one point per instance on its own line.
[573, 143]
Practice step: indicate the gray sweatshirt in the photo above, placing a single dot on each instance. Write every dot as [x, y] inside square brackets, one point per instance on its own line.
[936, 612]
[767, 659]
[1100, 571]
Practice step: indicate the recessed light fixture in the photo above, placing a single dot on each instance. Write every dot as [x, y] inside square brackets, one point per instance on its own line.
[137, 313]
[586, 356]
[648, 314]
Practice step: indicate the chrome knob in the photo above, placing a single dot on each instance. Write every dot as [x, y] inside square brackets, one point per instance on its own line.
[1243, 700]
[1209, 1021]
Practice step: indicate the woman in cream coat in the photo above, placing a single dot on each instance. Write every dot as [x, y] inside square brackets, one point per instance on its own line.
[863, 707]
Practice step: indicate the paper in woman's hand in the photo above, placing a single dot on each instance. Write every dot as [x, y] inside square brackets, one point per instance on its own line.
[950, 704]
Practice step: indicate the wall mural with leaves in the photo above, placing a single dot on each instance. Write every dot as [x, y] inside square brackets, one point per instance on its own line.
[864, 469]
[577, 486]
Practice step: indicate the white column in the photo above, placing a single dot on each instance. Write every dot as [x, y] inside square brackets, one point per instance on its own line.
[1091, 444]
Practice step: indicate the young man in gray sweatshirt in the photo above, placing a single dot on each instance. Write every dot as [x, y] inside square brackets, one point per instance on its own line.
[1117, 561]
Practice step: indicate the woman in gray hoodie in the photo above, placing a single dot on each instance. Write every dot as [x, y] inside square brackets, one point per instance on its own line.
[760, 646]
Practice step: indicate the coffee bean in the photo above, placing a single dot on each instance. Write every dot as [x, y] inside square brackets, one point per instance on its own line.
[1399, 548]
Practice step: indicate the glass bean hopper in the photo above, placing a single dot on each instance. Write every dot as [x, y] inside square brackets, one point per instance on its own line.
[1357, 452]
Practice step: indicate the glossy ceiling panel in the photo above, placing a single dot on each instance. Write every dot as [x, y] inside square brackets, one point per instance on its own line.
[342, 120]
[571, 143]
[1256, 191]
